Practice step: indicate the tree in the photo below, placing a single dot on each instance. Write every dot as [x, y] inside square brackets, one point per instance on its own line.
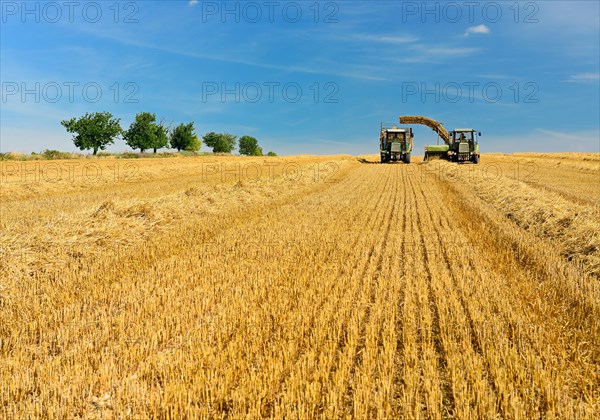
[271, 154]
[183, 136]
[195, 145]
[249, 146]
[220, 143]
[93, 131]
[161, 139]
[144, 133]
[211, 139]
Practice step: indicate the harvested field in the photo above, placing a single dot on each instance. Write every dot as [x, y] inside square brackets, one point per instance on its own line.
[301, 287]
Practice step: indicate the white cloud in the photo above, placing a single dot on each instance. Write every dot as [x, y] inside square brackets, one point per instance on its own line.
[193, 2]
[479, 29]
[584, 78]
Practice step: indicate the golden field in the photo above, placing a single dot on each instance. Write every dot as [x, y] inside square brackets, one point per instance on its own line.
[300, 287]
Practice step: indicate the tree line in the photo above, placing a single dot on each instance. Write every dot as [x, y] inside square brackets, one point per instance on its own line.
[95, 131]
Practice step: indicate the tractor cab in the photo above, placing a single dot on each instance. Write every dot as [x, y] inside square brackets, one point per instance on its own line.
[464, 135]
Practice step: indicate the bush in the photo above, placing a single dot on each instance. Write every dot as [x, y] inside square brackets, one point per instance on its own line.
[46, 154]
[192, 153]
[128, 155]
[50, 154]
[159, 155]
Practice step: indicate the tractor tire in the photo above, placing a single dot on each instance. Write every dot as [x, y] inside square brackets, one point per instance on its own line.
[407, 158]
[425, 158]
[476, 159]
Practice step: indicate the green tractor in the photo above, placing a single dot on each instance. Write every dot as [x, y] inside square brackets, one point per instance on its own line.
[395, 144]
[460, 145]
[464, 146]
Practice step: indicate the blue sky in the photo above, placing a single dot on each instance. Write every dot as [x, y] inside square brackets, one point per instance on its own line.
[306, 77]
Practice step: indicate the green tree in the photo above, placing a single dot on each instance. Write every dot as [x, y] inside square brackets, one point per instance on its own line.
[93, 131]
[183, 136]
[194, 145]
[249, 146]
[271, 154]
[220, 143]
[144, 133]
[211, 139]
[161, 138]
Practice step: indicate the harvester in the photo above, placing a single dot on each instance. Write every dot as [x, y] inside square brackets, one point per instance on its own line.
[395, 144]
[460, 145]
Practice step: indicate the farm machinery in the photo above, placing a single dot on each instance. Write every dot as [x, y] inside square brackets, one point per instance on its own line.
[460, 145]
[395, 144]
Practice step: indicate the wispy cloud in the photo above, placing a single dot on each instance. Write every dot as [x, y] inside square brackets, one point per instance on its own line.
[479, 29]
[424, 53]
[558, 134]
[584, 78]
[353, 72]
[386, 39]
[497, 76]
[344, 143]
[193, 2]
[449, 51]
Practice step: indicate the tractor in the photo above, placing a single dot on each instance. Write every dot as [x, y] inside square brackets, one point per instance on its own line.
[464, 146]
[460, 145]
[395, 144]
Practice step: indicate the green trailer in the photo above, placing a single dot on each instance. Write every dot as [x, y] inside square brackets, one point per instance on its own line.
[436, 151]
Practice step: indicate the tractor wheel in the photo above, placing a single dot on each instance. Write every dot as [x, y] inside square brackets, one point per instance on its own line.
[407, 158]
[425, 158]
[476, 159]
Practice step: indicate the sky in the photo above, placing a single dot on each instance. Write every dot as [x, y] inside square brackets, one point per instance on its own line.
[305, 77]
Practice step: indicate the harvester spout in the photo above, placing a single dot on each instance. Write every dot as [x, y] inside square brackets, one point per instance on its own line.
[434, 125]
